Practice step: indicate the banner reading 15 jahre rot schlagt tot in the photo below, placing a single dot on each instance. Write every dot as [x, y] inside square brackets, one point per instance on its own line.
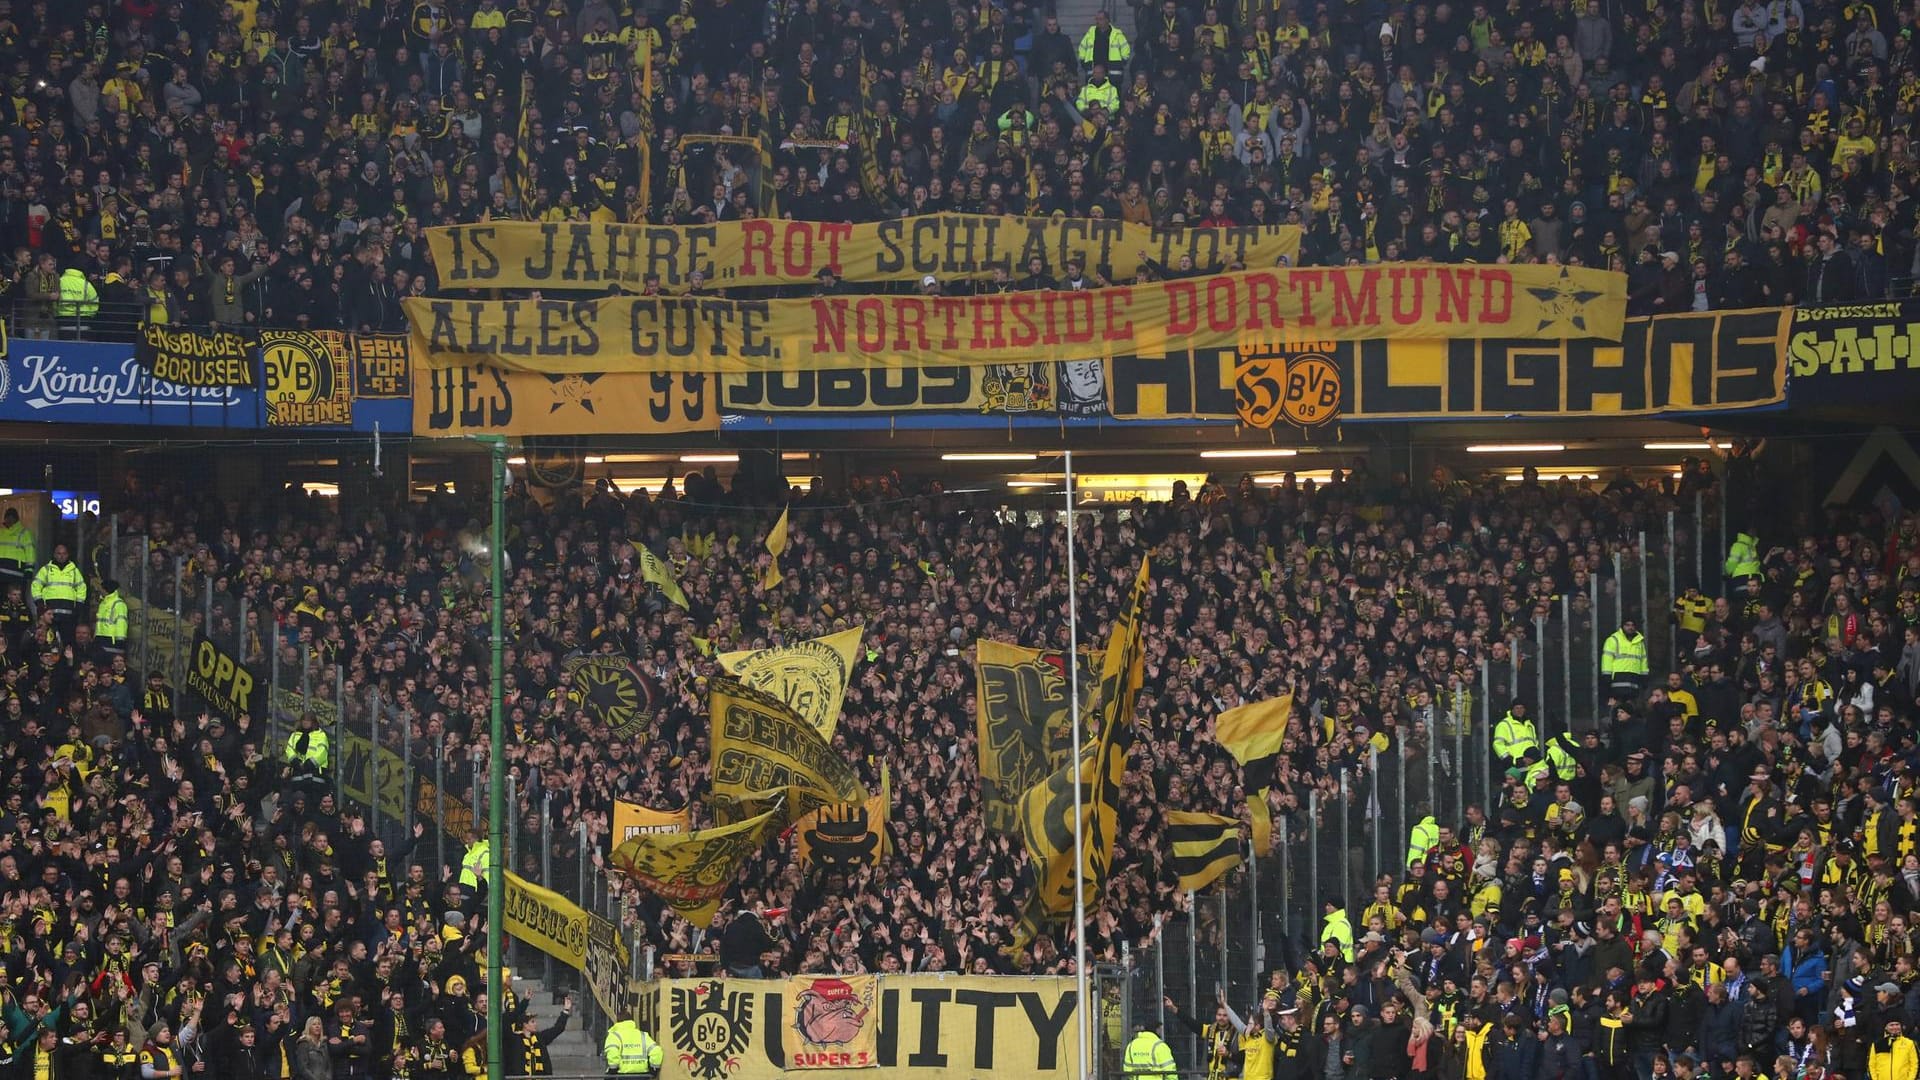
[697, 333]
[594, 255]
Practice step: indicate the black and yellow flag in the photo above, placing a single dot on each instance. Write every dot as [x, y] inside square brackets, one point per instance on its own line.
[761, 745]
[1046, 810]
[810, 676]
[1021, 705]
[660, 575]
[844, 835]
[1204, 846]
[691, 871]
[1261, 816]
[610, 690]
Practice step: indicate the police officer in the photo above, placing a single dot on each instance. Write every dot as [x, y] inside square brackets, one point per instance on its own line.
[630, 1051]
[1148, 1056]
[110, 618]
[59, 586]
[17, 550]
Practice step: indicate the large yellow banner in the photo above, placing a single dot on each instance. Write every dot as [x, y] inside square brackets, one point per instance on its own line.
[630, 819]
[1243, 310]
[764, 251]
[929, 1027]
[481, 399]
[545, 920]
[810, 676]
[760, 744]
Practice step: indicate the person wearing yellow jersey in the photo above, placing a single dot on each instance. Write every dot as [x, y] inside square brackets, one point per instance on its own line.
[1690, 610]
[1892, 1055]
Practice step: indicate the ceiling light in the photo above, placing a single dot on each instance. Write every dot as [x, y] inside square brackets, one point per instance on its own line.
[1319, 476]
[1248, 453]
[1686, 446]
[709, 459]
[636, 459]
[990, 457]
[516, 461]
[1029, 483]
[1517, 448]
[595, 459]
[796, 455]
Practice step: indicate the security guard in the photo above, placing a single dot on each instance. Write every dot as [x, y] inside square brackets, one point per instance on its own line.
[630, 1051]
[307, 751]
[1743, 559]
[473, 864]
[110, 618]
[1148, 1056]
[1561, 757]
[1336, 927]
[1514, 735]
[1623, 660]
[60, 587]
[78, 298]
[1425, 834]
[17, 550]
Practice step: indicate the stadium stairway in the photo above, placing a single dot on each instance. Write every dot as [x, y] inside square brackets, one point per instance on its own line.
[575, 1052]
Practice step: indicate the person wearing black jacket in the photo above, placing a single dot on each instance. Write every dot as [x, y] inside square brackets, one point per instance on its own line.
[1216, 1038]
[746, 940]
[1646, 1019]
[526, 1049]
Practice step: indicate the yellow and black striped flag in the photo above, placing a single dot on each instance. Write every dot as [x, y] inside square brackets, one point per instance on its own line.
[1204, 846]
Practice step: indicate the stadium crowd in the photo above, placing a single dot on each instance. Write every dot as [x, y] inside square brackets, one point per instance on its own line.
[255, 162]
[1722, 870]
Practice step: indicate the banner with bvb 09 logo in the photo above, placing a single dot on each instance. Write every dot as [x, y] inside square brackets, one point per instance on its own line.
[922, 1027]
[308, 380]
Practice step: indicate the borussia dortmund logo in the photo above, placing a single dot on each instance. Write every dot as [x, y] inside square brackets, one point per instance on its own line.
[711, 1027]
[611, 692]
[1565, 302]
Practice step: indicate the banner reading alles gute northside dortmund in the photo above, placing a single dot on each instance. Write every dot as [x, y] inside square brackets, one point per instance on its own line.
[698, 333]
[594, 255]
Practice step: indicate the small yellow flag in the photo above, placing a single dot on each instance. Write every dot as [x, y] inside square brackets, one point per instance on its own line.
[776, 547]
[660, 575]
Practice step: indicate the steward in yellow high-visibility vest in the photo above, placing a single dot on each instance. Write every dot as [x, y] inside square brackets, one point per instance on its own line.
[17, 550]
[473, 864]
[1514, 735]
[60, 587]
[1743, 557]
[1623, 659]
[1420, 841]
[630, 1051]
[307, 750]
[110, 618]
[1560, 757]
[1337, 928]
[1148, 1056]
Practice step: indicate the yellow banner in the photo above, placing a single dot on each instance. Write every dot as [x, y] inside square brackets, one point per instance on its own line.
[810, 676]
[930, 1027]
[767, 251]
[1242, 311]
[481, 399]
[841, 836]
[691, 871]
[545, 920]
[835, 1022]
[309, 377]
[630, 819]
[760, 745]
[1255, 730]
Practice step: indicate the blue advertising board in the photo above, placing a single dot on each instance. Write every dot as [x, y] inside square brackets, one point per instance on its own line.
[84, 382]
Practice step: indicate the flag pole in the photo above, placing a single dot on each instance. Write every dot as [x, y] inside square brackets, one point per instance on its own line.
[1084, 1025]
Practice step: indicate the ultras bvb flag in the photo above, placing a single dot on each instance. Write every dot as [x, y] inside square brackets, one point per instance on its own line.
[1046, 810]
[691, 871]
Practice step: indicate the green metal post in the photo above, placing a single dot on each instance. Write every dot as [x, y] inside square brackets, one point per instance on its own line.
[497, 766]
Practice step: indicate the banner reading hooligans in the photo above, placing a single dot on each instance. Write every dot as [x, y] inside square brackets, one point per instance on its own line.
[308, 381]
[810, 676]
[768, 251]
[482, 399]
[690, 872]
[927, 1027]
[196, 358]
[1855, 353]
[835, 1021]
[1672, 363]
[707, 334]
